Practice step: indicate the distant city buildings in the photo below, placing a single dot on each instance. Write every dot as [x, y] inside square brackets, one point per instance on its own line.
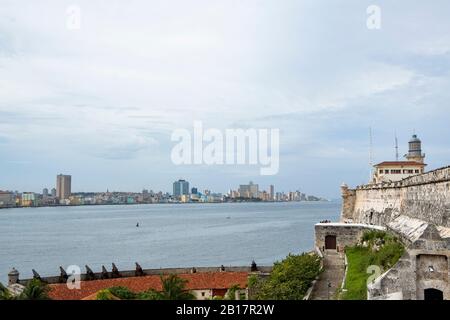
[7, 199]
[62, 195]
[63, 186]
[250, 190]
[180, 187]
[29, 199]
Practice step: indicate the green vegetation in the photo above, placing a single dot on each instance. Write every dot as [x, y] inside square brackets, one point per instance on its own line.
[173, 289]
[379, 249]
[106, 295]
[289, 280]
[231, 294]
[34, 290]
[123, 293]
[4, 293]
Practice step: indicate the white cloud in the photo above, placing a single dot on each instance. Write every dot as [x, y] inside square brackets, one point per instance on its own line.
[138, 69]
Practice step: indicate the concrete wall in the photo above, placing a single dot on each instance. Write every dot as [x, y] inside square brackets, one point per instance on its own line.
[425, 197]
[410, 277]
[346, 234]
[202, 294]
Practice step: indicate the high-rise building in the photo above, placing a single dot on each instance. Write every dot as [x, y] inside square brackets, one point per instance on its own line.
[272, 192]
[180, 187]
[249, 190]
[63, 186]
[45, 192]
[53, 193]
[194, 191]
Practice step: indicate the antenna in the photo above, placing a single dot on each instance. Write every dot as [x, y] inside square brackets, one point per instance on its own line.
[396, 147]
[370, 153]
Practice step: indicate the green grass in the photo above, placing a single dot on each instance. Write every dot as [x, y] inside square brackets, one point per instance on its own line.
[360, 258]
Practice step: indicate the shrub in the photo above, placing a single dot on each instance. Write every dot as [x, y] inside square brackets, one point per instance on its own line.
[123, 293]
[105, 295]
[290, 279]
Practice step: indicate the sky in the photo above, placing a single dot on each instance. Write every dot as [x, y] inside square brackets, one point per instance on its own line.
[101, 101]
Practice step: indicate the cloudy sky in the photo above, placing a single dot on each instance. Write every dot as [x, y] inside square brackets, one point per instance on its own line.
[100, 102]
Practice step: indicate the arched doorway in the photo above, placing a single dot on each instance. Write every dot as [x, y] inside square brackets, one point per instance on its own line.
[330, 242]
[433, 294]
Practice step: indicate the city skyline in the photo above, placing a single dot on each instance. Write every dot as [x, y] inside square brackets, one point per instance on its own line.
[102, 101]
[187, 189]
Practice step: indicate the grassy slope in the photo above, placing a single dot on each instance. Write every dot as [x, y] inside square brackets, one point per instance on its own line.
[360, 258]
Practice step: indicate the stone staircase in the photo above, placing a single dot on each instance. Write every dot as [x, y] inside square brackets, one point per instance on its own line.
[330, 279]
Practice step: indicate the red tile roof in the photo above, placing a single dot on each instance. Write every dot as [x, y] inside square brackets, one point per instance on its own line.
[399, 163]
[196, 281]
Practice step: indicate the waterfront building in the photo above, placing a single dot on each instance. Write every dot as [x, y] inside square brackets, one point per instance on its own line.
[391, 171]
[29, 199]
[194, 191]
[53, 192]
[7, 199]
[63, 186]
[45, 192]
[250, 190]
[185, 198]
[204, 283]
[180, 187]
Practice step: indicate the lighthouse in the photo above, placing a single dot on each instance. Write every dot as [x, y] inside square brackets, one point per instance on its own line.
[415, 150]
[392, 171]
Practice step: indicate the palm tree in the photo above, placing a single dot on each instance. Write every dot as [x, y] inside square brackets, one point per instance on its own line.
[5, 294]
[174, 288]
[35, 290]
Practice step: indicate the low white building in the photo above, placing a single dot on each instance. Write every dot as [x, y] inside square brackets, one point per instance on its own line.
[391, 171]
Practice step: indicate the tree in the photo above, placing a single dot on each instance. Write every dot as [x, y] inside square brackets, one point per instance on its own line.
[173, 288]
[231, 294]
[290, 279]
[5, 294]
[35, 290]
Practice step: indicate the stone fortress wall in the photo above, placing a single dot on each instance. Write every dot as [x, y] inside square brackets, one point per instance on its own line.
[425, 197]
[417, 210]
